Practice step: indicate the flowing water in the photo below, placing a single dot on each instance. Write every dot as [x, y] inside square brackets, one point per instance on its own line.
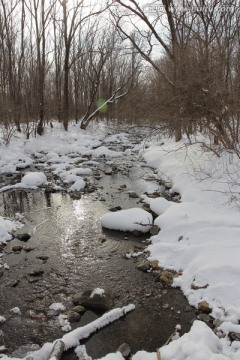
[69, 245]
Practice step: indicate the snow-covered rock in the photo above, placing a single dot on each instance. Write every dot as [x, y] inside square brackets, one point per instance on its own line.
[128, 220]
[34, 179]
[78, 185]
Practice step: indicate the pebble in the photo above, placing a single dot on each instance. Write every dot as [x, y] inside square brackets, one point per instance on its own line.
[17, 248]
[36, 272]
[23, 237]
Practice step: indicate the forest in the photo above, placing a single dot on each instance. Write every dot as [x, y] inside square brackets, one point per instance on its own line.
[171, 65]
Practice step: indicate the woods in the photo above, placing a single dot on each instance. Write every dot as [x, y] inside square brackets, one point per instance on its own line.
[178, 65]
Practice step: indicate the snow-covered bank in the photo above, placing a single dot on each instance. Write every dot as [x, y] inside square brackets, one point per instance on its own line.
[201, 235]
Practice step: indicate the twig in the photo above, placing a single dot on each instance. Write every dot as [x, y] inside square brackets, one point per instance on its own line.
[158, 354]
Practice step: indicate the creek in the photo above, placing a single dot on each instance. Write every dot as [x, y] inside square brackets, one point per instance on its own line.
[74, 253]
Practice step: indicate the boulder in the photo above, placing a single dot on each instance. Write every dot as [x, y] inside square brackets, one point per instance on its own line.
[94, 301]
[73, 316]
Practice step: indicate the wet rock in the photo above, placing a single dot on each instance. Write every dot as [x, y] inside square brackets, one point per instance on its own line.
[79, 309]
[108, 172]
[43, 257]
[73, 316]
[234, 336]
[204, 307]
[57, 351]
[91, 189]
[13, 283]
[96, 302]
[33, 280]
[188, 309]
[133, 195]
[195, 287]
[76, 195]
[136, 233]
[154, 230]
[115, 208]
[2, 246]
[36, 272]
[217, 322]
[17, 248]
[34, 316]
[146, 207]
[23, 236]
[204, 317]
[154, 195]
[28, 249]
[144, 266]
[154, 264]
[165, 306]
[123, 186]
[22, 351]
[125, 350]
[102, 240]
[166, 278]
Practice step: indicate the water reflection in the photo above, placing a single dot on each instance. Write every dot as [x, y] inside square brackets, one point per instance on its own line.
[78, 209]
[15, 201]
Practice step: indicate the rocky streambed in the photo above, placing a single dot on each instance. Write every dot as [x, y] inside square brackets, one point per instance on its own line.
[68, 252]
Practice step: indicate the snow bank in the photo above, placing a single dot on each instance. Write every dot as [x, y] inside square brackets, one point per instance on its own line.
[128, 220]
[199, 236]
[160, 205]
[196, 236]
[200, 343]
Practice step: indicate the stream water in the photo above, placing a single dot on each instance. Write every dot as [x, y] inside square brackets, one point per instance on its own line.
[74, 253]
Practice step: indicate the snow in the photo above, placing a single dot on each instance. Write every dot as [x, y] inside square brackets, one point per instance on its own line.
[34, 179]
[7, 226]
[160, 205]
[115, 356]
[15, 310]
[196, 236]
[64, 323]
[78, 185]
[199, 343]
[97, 291]
[128, 220]
[57, 307]
[2, 319]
